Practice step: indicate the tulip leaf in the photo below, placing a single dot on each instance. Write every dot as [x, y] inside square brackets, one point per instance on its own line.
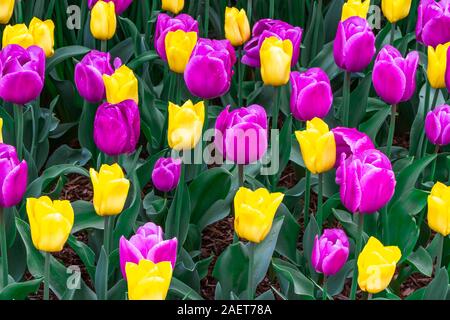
[413, 203]
[335, 283]
[85, 253]
[20, 290]
[85, 217]
[67, 155]
[86, 129]
[422, 261]
[145, 57]
[182, 290]
[358, 100]
[102, 274]
[63, 54]
[373, 125]
[287, 240]
[312, 229]
[438, 288]
[300, 285]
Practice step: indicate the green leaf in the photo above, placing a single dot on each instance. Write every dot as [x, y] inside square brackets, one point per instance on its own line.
[67, 155]
[358, 100]
[20, 290]
[373, 125]
[182, 290]
[287, 240]
[422, 261]
[145, 57]
[437, 289]
[85, 253]
[302, 287]
[85, 217]
[101, 273]
[63, 54]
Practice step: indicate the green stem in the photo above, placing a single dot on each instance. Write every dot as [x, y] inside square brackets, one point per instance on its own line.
[104, 45]
[19, 12]
[4, 249]
[392, 37]
[18, 121]
[357, 251]
[106, 234]
[249, 10]
[240, 67]
[346, 98]
[439, 253]
[272, 9]
[307, 198]
[178, 89]
[276, 108]
[47, 276]
[324, 289]
[320, 202]
[241, 175]
[251, 253]
[435, 99]
[391, 130]
[206, 26]
[433, 165]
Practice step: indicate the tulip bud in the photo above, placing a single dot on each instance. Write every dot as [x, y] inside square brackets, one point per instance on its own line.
[254, 212]
[376, 266]
[276, 58]
[179, 46]
[121, 85]
[437, 125]
[103, 20]
[330, 251]
[318, 146]
[355, 8]
[174, 6]
[438, 209]
[437, 65]
[395, 10]
[6, 10]
[432, 22]
[13, 176]
[50, 223]
[110, 189]
[17, 34]
[237, 27]
[43, 35]
[166, 174]
[185, 125]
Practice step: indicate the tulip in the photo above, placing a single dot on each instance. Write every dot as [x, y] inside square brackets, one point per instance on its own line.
[110, 189]
[17, 34]
[311, 95]
[22, 69]
[89, 75]
[394, 77]
[237, 27]
[276, 56]
[50, 222]
[376, 266]
[166, 24]
[121, 85]
[241, 135]
[354, 45]
[103, 20]
[318, 146]
[174, 6]
[355, 8]
[266, 28]
[185, 125]
[166, 174]
[437, 65]
[432, 22]
[120, 5]
[395, 10]
[13, 176]
[179, 46]
[447, 73]
[209, 71]
[350, 141]
[437, 125]
[330, 251]
[148, 243]
[148, 280]
[1, 130]
[254, 213]
[366, 180]
[438, 209]
[117, 127]
[43, 35]
[6, 10]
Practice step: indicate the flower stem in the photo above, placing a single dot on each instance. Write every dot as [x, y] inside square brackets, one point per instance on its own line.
[4, 249]
[307, 198]
[346, 98]
[104, 45]
[240, 67]
[324, 289]
[433, 166]
[47, 276]
[18, 120]
[320, 202]
[19, 15]
[392, 36]
[251, 253]
[249, 10]
[107, 233]
[439, 253]
[206, 26]
[391, 130]
[357, 251]
[276, 108]
[241, 175]
[272, 9]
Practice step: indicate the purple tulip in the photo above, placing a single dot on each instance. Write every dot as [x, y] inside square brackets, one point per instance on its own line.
[311, 95]
[166, 174]
[22, 73]
[433, 21]
[350, 141]
[209, 71]
[89, 72]
[148, 243]
[120, 5]
[330, 251]
[13, 177]
[437, 125]
[266, 28]
[366, 180]
[117, 127]
[394, 77]
[354, 45]
[166, 24]
[241, 135]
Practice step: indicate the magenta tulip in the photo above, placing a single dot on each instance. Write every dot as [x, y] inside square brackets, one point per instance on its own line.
[433, 22]
[350, 141]
[437, 125]
[120, 5]
[330, 251]
[13, 177]
[166, 174]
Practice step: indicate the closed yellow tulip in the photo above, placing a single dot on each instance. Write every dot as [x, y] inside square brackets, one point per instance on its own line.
[185, 125]
[395, 10]
[437, 64]
[179, 46]
[376, 266]
[439, 209]
[254, 213]
[17, 34]
[103, 20]
[147, 280]
[110, 189]
[317, 145]
[355, 8]
[121, 85]
[6, 10]
[237, 27]
[43, 33]
[174, 6]
[50, 223]
[276, 57]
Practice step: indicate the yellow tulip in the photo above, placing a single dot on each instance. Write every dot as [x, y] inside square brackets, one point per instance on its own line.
[376, 266]
[174, 6]
[147, 280]
[437, 64]
[237, 27]
[179, 46]
[17, 34]
[276, 57]
[121, 85]
[395, 10]
[110, 189]
[352, 8]
[50, 223]
[6, 10]
[103, 20]
[43, 35]
[318, 146]
[185, 125]
[439, 209]
[254, 213]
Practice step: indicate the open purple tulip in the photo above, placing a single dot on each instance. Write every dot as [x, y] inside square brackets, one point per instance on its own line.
[437, 125]
[148, 243]
[350, 141]
[330, 251]
[13, 177]
[166, 174]
[120, 5]
[433, 21]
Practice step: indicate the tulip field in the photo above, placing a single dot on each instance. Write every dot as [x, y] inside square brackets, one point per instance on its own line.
[225, 150]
